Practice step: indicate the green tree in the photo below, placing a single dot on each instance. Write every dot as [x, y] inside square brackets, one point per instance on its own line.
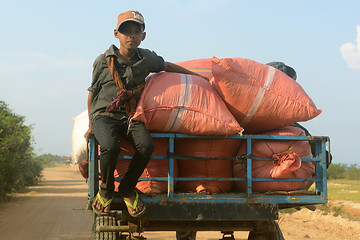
[17, 166]
[48, 159]
[353, 172]
[336, 171]
[343, 171]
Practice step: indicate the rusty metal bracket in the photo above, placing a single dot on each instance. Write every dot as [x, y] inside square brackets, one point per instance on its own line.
[227, 236]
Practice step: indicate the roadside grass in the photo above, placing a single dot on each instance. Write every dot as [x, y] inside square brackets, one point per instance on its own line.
[342, 189]
[340, 193]
[53, 164]
[334, 209]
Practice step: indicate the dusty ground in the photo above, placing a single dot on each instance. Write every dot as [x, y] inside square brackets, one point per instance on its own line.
[54, 210]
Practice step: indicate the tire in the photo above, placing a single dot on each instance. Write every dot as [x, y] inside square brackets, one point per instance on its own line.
[276, 235]
[185, 235]
[104, 221]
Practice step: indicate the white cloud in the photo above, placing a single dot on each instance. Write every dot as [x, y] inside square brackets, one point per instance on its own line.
[351, 52]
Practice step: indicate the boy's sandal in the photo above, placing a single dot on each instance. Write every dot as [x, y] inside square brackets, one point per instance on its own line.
[103, 203]
[135, 204]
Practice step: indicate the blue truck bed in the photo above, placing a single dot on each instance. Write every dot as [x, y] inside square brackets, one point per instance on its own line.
[227, 211]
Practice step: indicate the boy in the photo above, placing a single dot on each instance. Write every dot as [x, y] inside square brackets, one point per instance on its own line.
[118, 79]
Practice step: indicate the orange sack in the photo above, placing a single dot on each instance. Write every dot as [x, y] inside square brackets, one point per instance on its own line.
[286, 163]
[155, 168]
[200, 66]
[260, 97]
[206, 168]
[173, 102]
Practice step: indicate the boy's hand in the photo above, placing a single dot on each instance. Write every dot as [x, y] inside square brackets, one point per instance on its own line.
[87, 133]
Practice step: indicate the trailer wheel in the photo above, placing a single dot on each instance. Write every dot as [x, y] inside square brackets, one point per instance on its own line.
[104, 221]
[185, 235]
[261, 235]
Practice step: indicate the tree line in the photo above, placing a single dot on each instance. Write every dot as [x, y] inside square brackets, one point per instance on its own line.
[17, 165]
[343, 171]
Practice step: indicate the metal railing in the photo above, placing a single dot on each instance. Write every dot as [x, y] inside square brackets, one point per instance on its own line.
[319, 195]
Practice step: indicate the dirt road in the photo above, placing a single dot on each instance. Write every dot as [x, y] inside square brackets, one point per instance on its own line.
[54, 210]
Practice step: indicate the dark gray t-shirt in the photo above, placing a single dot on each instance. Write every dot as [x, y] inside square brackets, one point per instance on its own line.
[132, 74]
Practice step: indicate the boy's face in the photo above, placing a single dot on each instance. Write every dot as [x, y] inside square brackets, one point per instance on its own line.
[130, 35]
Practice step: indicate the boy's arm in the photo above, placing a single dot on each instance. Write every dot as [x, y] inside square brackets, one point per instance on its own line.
[171, 67]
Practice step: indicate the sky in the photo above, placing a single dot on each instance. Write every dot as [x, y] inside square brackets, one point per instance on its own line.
[47, 49]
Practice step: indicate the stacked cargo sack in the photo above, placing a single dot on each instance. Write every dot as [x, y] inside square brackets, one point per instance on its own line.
[155, 167]
[286, 162]
[220, 168]
[200, 66]
[78, 154]
[261, 98]
[181, 103]
[188, 104]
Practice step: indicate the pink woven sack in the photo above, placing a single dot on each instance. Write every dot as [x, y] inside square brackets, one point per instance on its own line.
[260, 97]
[155, 168]
[180, 103]
[200, 66]
[286, 163]
[206, 168]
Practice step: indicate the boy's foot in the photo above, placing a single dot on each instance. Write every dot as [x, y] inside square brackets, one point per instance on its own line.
[135, 205]
[101, 205]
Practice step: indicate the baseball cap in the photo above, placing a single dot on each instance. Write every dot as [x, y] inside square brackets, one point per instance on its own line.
[131, 15]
